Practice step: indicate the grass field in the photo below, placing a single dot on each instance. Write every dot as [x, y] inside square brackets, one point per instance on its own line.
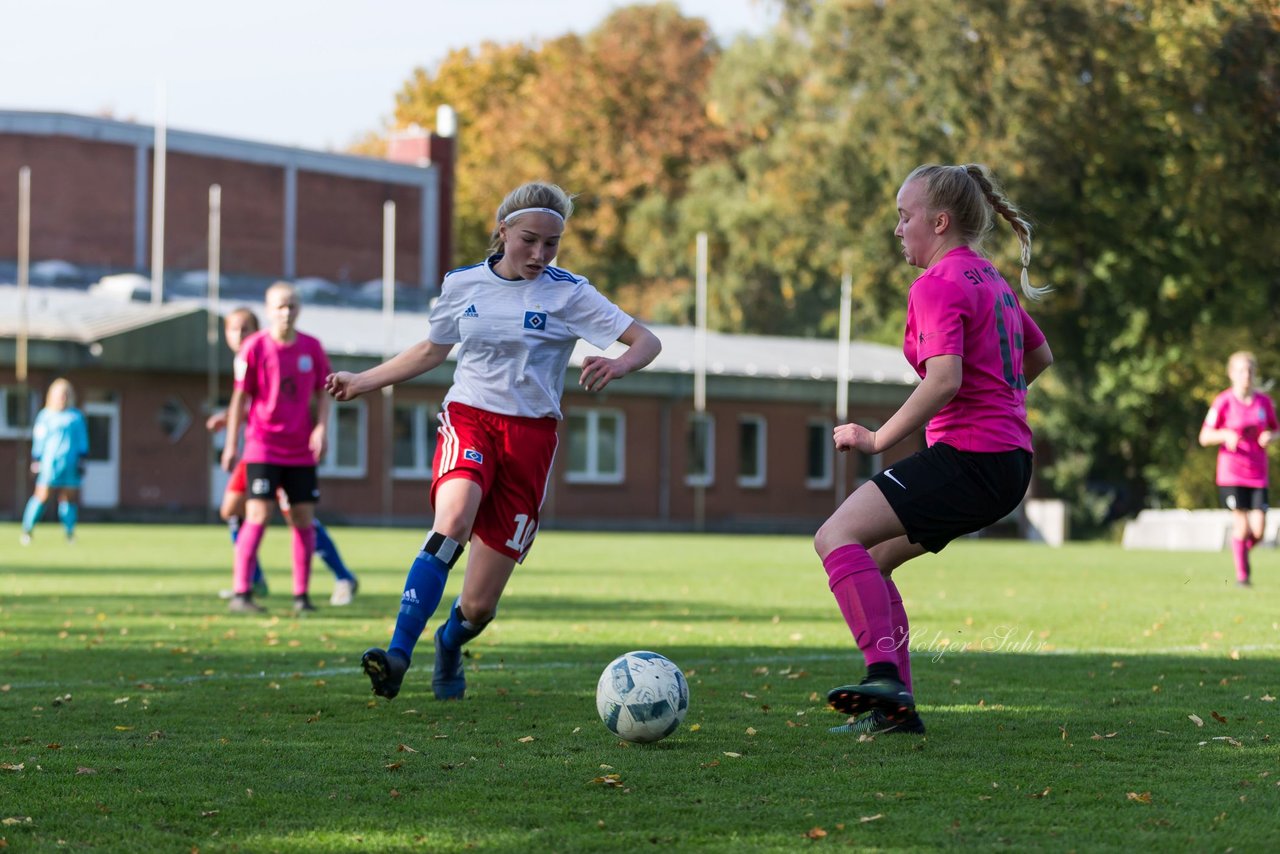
[1081, 698]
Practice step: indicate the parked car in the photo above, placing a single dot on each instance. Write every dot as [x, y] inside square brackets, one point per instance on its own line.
[56, 272]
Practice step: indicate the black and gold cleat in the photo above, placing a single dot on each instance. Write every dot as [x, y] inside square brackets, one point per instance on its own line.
[385, 670]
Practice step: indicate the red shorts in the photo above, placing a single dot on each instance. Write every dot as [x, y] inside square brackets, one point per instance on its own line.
[238, 482]
[510, 457]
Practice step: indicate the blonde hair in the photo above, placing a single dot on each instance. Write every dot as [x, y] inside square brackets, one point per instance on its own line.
[251, 324]
[282, 287]
[60, 384]
[535, 194]
[972, 196]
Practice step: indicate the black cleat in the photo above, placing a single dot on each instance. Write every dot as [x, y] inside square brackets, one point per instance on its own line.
[242, 603]
[875, 723]
[385, 670]
[302, 604]
[890, 696]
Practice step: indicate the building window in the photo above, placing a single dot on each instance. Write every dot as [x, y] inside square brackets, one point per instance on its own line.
[17, 411]
[348, 439]
[751, 451]
[596, 442]
[820, 449]
[700, 446]
[868, 464]
[413, 440]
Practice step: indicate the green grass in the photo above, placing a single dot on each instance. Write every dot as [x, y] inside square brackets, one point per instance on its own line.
[1058, 687]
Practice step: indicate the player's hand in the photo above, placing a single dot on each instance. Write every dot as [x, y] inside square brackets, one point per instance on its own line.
[229, 458]
[1231, 440]
[1264, 438]
[856, 437]
[217, 421]
[318, 441]
[341, 385]
[598, 372]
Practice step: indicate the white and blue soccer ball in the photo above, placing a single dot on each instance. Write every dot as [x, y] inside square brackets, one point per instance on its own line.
[642, 696]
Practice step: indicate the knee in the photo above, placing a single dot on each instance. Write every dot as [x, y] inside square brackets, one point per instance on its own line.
[828, 539]
[478, 612]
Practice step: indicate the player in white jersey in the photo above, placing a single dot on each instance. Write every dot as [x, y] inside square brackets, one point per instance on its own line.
[515, 320]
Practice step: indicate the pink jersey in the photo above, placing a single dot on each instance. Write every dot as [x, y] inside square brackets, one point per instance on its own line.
[1247, 464]
[962, 306]
[280, 381]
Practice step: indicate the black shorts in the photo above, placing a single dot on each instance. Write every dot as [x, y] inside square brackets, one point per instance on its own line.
[940, 493]
[1244, 497]
[299, 482]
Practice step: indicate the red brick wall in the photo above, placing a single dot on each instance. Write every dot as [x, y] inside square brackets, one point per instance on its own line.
[81, 199]
[340, 228]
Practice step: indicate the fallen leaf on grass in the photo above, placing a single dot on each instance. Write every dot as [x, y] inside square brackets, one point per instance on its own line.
[1196, 719]
[695, 727]
[1267, 698]
[733, 755]
[404, 748]
[123, 728]
[5, 766]
[1096, 737]
[1229, 740]
[613, 781]
[525, 740]
[867, 818]
[80, 769]
[393, 766]
[208, 813]
[751, 730]
[1219, 718]
[1045, 793]
[53, 746]
[16, 819]
[394, 793]
[1143, 798]
[1064, 732]
[815, 833]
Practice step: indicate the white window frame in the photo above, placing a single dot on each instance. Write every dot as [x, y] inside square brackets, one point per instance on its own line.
[16, 431]
[827, 480]
[328, 466]
[709, 477]
[757, 480]
[424, 417]
[593, 474]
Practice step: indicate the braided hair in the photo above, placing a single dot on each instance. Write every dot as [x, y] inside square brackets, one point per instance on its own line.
[972, 196]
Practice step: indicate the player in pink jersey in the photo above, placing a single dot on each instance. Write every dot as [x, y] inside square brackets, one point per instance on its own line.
[516, 320]
[976, 351]
[1242, 422]
[280, 372]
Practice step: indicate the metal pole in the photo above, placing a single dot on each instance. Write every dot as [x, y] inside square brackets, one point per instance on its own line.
[213, 314]
[842, 366]
[388, 324]
[20, 368]
[157, 201]
[700, 373]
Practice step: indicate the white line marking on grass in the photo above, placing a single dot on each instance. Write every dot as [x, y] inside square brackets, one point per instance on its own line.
[798, 658]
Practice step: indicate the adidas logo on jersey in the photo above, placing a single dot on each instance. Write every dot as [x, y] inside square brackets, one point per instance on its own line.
[410, 595]
[471, 311]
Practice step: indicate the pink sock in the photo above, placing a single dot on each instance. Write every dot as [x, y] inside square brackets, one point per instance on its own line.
[304, 547]
[1241, 554]
[247, 542]
[901, 632]
[863, 598]
[1249, 542]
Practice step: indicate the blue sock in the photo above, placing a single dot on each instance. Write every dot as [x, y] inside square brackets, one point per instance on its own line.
[422, 591]
[32, 513]
[458, 631]
[233, 525]
[329, 554]
[69, 513]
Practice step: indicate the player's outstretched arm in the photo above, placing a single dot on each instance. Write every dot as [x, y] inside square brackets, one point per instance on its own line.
[642, 348]
[418, 359]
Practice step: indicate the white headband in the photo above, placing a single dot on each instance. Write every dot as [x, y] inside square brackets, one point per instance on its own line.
[515, 214]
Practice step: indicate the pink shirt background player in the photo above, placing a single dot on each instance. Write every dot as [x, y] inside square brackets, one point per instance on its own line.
[281, 371]
[1242, 422]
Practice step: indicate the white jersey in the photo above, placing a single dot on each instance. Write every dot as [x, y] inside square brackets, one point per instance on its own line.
[517, 336]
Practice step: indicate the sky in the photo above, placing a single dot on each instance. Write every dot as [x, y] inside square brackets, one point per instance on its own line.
[312, 73]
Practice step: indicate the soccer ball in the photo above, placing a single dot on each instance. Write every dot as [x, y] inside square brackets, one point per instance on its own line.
[642, 696]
